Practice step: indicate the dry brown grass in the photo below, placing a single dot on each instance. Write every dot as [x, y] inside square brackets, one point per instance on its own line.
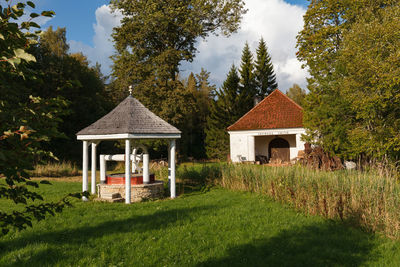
[364, 199]
[55, 169]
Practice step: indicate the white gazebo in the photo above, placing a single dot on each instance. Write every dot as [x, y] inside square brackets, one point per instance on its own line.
[130, 120]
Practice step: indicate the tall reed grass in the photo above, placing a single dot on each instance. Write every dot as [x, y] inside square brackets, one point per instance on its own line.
[55, 169]
[364, 199]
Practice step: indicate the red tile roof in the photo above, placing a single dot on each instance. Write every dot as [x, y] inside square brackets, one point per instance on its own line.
[274, 112]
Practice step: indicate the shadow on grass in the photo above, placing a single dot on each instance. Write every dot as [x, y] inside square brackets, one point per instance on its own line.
[78, 236]
[197, 179]
[327, 244]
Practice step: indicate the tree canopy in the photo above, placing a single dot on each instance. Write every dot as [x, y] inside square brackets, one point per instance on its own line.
[297, 94]
[369, 70]
[69, 76]
[155, 36]
[152, 41]
[27, 120]
[348, 52]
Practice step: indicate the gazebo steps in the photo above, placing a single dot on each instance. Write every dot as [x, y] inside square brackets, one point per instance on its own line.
[110, 197]
[112, 200]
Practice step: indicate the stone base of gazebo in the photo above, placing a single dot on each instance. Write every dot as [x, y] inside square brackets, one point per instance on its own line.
[139, 192]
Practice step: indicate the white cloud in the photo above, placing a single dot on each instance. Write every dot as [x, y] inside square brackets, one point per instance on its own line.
[275, 20]
[102, 41]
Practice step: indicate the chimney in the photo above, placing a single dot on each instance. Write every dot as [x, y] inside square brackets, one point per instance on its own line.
[257, 99]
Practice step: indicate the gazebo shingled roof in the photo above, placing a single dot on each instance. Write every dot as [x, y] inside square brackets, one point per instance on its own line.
[129, 117]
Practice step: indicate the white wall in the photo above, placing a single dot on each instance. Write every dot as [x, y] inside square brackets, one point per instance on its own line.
[243, 146]
[248, 144]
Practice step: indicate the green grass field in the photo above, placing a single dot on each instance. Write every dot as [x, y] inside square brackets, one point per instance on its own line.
[213, 227]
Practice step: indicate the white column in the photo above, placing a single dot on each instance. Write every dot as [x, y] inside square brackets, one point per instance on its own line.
[127, 171]
[93, 181]
[299, 142]
[85, 169]
[169, 165]
[172, 145]
[251, 156]
[103, 169]
[134, 162]
[146, 175]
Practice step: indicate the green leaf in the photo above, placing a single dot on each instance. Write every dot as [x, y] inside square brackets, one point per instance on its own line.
[34, 15]
[34, 24]
[1, 37]
[48, 13]
[31, 4]
[20, 53]
[15, 8]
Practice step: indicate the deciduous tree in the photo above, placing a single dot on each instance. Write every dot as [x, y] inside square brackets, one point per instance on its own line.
[318, 44]
[69, 76]
[26, 120]
[152, 41]
[369, 69]
[297, 94]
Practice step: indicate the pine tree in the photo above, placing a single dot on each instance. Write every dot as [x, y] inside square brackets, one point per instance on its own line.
[264, 76]
[223, 112]
[247, 91]
[203, 97]
[189, 132]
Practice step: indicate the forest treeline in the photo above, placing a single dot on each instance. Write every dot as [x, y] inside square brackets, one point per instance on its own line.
[350, 49]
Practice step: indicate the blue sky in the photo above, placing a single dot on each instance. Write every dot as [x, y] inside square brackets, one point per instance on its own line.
[78, 16]
[89, 24]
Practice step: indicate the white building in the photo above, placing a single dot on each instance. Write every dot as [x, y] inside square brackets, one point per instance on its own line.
[272, 130]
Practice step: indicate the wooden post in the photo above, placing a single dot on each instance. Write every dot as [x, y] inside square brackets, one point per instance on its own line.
[85, 169]
[172, 167]
[127, 171]
[93, 181]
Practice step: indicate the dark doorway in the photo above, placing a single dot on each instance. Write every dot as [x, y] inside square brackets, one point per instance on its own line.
[279, 149]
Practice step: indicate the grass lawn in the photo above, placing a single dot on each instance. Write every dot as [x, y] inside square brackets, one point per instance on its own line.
[213, 228]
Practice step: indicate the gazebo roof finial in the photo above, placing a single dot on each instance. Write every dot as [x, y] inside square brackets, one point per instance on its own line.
[130, 89]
